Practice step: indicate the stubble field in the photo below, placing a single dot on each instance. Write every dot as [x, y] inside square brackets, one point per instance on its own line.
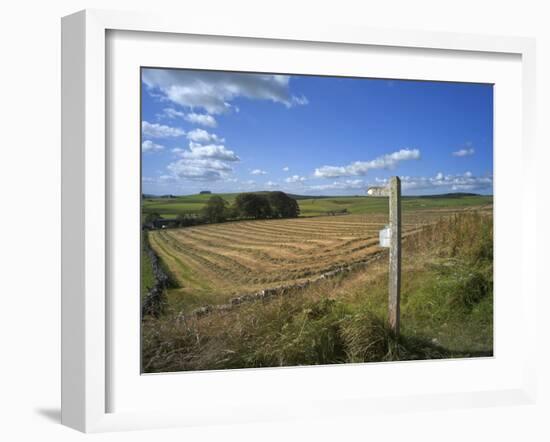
[215, 263]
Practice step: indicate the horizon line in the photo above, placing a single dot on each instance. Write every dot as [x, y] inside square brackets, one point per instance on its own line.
[306, 195]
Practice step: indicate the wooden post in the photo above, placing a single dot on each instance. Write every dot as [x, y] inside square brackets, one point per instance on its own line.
[395, 253]
[393, 191]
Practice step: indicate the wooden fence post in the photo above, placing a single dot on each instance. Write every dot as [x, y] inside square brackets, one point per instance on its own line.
[395, 253]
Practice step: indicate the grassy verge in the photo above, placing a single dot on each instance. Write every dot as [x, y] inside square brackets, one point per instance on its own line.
[447, 311]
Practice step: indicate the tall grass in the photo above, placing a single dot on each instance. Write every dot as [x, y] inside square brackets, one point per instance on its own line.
[446, 312]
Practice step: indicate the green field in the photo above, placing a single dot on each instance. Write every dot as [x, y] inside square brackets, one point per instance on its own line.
[313, 206]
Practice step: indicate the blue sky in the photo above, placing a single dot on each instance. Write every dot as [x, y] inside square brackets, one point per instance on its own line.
[311, 135]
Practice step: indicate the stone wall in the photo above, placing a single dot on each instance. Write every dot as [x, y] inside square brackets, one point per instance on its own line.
[154, 301]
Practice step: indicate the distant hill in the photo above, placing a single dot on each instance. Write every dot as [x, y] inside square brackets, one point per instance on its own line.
[448, 195]
[170, 206]
[307, 197]
[439, 195]
[149, 196]
[207, 193]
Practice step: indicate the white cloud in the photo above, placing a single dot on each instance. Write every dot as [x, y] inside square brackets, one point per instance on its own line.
[214, 151]
[360, 168]
[203, 162]
[148, 180]
[464, 152]
[440, 183]
[295, 179]
[172, 113]
[160, 180]
[271, 184]
[149, 146]
[286, 168]
[203, 136]
[340, 185]
[258, 172]
[214, 91]
[155, 130]
[166, 179]
[194, 118]
[300, 101]
[200, 169]
[201, 119]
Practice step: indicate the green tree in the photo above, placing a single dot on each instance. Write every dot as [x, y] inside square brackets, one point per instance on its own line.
[151, 217]
[253, 205]
[232, 212]
[189, 219]
[283, 206]
[215, 210]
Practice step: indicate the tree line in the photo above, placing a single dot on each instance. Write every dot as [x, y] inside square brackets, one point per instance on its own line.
[246, 206]
[251, 206]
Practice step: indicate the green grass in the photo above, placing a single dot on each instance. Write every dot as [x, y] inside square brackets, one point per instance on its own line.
[437, 306]
[446, 312]
[361, 205]
[171, 207]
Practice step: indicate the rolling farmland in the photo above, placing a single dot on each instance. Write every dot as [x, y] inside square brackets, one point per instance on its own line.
[315, 206]
[214, 263]
[446, 294]
[261, 236]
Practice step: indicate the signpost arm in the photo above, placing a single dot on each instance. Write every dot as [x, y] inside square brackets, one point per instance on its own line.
[395, 253]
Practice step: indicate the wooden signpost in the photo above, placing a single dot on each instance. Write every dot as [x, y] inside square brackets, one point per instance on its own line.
[393, 191]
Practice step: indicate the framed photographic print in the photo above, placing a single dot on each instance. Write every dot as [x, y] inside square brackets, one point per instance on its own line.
[268, 255]
[289, 222]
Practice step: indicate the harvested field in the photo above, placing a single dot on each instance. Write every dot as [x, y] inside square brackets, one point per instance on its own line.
[214, 263]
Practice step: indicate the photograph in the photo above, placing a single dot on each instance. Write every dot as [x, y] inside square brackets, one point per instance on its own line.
[302, 220]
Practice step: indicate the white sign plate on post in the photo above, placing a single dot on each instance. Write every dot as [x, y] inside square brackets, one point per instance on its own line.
[385, 236]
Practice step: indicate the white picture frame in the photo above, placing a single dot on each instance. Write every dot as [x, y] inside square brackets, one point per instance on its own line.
[86, 316]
